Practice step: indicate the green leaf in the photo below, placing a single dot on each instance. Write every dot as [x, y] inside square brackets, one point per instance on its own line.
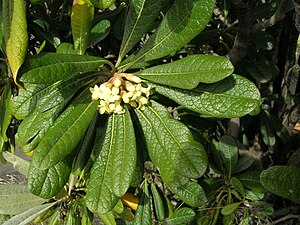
[52, 67]
[171, 145]
[5, 112]
[29, 215]
[123, 154]
[263, 40]
[65, 48]
[47, 183]
[244, 163]
[112, 172]
[107, 218]
[183, 21]
[158, 203]
[85, 148]
[229, 153]
[19, 164]
[15, 35]
[283, 181]
[82, 18]
[102, 4]
[260, 68]
[16, 198]
[191, 193]
[266, 129]
[237, 184]
[25, 102]
[33, 128]
[186, 73]
[246, 218]
[100, 31]
[230, 98]
[139, 20]
[44, 97]
[181, 216]
[65, 133]
[254, 189]
[143, 215]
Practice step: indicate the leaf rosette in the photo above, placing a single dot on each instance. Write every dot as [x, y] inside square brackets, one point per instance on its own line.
[64, 91]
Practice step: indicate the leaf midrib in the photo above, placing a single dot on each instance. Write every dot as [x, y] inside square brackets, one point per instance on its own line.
[55, 64]
[132, 31]
[58, 141]
[155, 46]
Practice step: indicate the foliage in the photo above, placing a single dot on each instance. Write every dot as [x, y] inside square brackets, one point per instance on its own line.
[125, 114]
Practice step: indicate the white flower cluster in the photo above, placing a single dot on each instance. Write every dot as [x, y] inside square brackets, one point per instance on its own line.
[121, 88]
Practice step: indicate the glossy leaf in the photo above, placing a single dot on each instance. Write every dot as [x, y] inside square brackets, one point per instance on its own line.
[244, 163]
[183, 21]
[251, 181]
[139, 20]
[123, 154]
[52, 67]
[16, 198]
[191, 193]
[112, 172]
[143, 215]
[82, 18]
[158, 203]
[85, 148]
[230, 208]
[33, 128]
[6, 110]
[237, 184]
[229, 153]
[100, 31]
[47, 183]
[181, 216]
[45, 97]
[107, 218]
[171, 146]
[65, 133]
[29, 215]
[25, 102]
[102, 4]
[230, 98]
[188, 72]
[65, 48]
[283, 181]
[15, 35]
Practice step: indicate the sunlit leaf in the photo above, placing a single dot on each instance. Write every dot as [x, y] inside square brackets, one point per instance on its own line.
[15, 35]
[140, 16]
[65, 133]
[171, 146]
[112, 172]
[188, 72]
[183, 21]
[52, 67]
[82, 18]
[283, 181]
[230, 98]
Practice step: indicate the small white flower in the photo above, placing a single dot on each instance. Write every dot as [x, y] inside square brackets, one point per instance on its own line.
[120, 89]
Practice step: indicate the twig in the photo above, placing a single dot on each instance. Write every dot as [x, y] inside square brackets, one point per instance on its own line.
[277, 16]
[248, 27]
[287, 217]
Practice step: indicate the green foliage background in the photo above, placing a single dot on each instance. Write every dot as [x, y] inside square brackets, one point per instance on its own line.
[216, 143]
